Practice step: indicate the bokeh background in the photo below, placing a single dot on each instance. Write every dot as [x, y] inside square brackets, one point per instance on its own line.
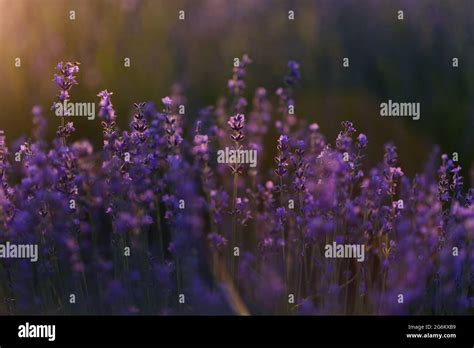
[409, 60]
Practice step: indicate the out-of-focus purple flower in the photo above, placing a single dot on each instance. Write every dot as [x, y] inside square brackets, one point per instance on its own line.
[217, 241]
[285, 97]
[167, 102]
[457, 182]
[139, 124]
[443, 183]
[236, 85]
[282, 158]
[362, 141]
[242, 210]
[299, 181]
[39, 123]
[294, 73]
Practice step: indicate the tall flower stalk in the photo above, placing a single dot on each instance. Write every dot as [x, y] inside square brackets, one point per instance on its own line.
[236, 124]
[281, 172]
[64, 81]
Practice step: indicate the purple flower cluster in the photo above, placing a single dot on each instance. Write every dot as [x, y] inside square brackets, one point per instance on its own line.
[151, 224]
[286, 105]
[66, 79]
[236, 85]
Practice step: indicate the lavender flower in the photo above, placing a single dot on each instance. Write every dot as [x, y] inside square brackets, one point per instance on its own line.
[285, 96]
[236, 123]
[39, 123]
[282, 160]
[300, 164]
[236, 85]
[139, 124]
[172, 129]
[66, 79]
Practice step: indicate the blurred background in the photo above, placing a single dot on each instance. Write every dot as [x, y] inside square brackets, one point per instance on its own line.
[408, 61]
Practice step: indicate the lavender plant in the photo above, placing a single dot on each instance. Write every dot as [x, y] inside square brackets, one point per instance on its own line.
[150, 223]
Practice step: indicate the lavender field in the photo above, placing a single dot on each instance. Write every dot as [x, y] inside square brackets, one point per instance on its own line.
[152, 223]
[260, 183]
